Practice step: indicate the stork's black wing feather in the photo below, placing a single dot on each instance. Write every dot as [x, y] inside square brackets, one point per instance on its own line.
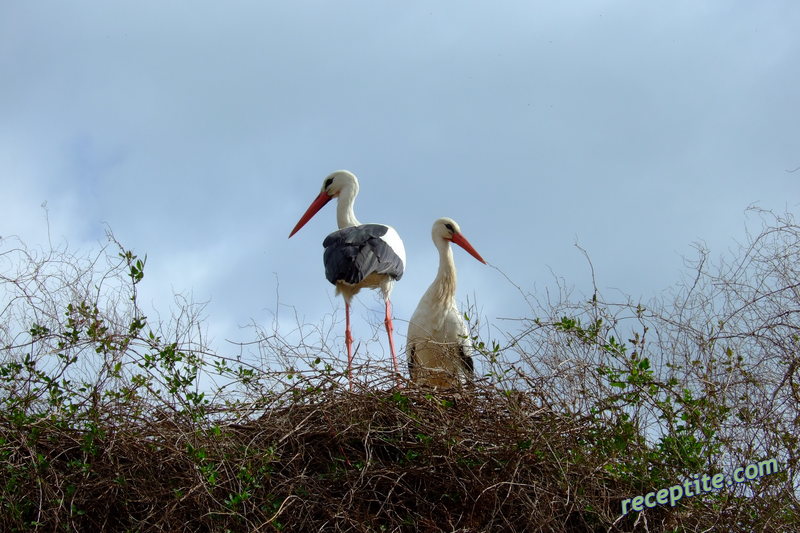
[466, 361]
[412, 363]
[352, 254]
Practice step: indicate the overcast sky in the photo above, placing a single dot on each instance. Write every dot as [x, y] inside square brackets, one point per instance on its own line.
[199, 132]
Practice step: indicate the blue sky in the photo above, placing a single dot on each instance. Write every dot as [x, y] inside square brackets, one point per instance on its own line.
[200, 131]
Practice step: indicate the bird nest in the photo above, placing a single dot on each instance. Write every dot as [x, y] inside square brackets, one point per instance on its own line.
[410, 459]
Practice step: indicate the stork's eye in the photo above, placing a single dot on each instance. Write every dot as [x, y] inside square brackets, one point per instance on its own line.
[328, 183]
[449, 226]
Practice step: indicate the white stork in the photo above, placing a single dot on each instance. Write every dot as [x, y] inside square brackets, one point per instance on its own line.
[438, 346]
[358, 255]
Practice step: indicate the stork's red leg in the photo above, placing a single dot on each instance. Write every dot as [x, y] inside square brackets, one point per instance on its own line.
[348, 340]
[389, 330]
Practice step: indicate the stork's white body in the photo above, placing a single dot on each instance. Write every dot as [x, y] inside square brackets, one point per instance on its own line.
[383, 277]
[439, 348]
[438, 338]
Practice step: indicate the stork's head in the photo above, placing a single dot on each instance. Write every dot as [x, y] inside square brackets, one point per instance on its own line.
[447, 229]
[341, 182]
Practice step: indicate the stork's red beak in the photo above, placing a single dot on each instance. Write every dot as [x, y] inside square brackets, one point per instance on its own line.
[464, 243]
[315, 206]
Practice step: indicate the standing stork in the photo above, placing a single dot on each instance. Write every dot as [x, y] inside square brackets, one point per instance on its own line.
[438, 346]
[358, 255]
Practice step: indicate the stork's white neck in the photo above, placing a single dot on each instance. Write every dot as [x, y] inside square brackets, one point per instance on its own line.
[345, 217]
[443, 288]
